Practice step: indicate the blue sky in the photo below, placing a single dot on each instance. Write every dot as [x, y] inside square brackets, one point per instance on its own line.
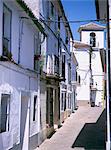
[79, 10]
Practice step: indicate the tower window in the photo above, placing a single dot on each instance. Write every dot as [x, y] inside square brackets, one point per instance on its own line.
[92, 39]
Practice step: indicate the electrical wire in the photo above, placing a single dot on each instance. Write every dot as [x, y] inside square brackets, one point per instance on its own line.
[58, 38]
[76, 21]
[73, 21]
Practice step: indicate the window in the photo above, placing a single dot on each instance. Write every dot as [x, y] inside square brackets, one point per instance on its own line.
[62, 101]
[79, 79]
[69, 100]
[37, 52]
[69, 72]
[67, 38]
[7, 16]
[4, 113]
[52, 9]
[59, 22]
[49, 107]
[56, 64]
[66, 41]
[63, 66]
[34, 108]
[76, 75]
[92, 39]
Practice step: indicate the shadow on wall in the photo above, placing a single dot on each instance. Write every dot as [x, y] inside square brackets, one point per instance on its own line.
[92, 136]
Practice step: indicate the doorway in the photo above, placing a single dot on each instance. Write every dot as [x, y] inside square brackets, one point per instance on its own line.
[24, 121]
[49, 114]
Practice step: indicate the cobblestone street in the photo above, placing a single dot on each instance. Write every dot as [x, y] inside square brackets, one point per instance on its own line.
[83, 130]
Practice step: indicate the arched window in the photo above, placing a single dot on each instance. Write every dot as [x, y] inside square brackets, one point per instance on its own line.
[92, 39]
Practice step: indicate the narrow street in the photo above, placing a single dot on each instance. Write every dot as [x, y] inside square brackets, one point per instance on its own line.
[54, 58]
[83, 130]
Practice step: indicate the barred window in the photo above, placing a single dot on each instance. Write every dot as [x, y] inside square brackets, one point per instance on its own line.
[35, 108]
[7, 17]
[4, 112]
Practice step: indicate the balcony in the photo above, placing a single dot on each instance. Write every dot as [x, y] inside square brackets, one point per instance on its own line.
[77, 81]
[52, 66]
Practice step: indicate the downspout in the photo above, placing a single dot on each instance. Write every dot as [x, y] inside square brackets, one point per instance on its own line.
[108, 80]
[20, 38]
[29, 109]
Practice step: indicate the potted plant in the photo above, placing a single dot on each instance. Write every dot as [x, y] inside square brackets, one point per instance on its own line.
[7, 55]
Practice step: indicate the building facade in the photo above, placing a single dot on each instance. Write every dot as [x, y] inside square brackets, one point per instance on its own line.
[58, 63]
[74, 80]
[20, 76]
[37, 67]
[90, 64]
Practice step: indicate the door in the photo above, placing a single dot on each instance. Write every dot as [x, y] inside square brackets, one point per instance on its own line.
[24, 122]
[56, 107]
[51, 107]
[49, 113]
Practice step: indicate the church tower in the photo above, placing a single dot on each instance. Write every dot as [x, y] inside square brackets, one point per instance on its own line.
[90, 70]
[92, 34]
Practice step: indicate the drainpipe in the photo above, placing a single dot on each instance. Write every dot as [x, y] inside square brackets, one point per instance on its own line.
[20, 38]
[108, 80]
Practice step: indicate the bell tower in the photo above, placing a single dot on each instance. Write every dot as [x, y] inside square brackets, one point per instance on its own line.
[92, 34]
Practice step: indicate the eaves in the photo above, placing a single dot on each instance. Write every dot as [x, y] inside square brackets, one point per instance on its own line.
[28, 11]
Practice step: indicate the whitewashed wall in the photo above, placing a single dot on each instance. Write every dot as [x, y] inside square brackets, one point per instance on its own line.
[17, 78]
[52, 47]
[83, 92]
[73, 71]
[97, 76]
[62, 31]
[27, 47]
[27, 39]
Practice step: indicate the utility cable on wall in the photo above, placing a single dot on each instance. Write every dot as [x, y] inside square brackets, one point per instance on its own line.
[74, 21]
[77, 21]
[42, 20]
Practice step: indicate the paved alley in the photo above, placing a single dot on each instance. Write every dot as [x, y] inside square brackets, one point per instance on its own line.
[83, 130]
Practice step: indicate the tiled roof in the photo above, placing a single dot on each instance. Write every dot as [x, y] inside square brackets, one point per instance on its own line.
[91, 26]
[79, 45]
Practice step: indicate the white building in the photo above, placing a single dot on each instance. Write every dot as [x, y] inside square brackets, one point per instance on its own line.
[58, 61]
[74, 79]
[20, 39]
[90, 69]
[91, 31]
